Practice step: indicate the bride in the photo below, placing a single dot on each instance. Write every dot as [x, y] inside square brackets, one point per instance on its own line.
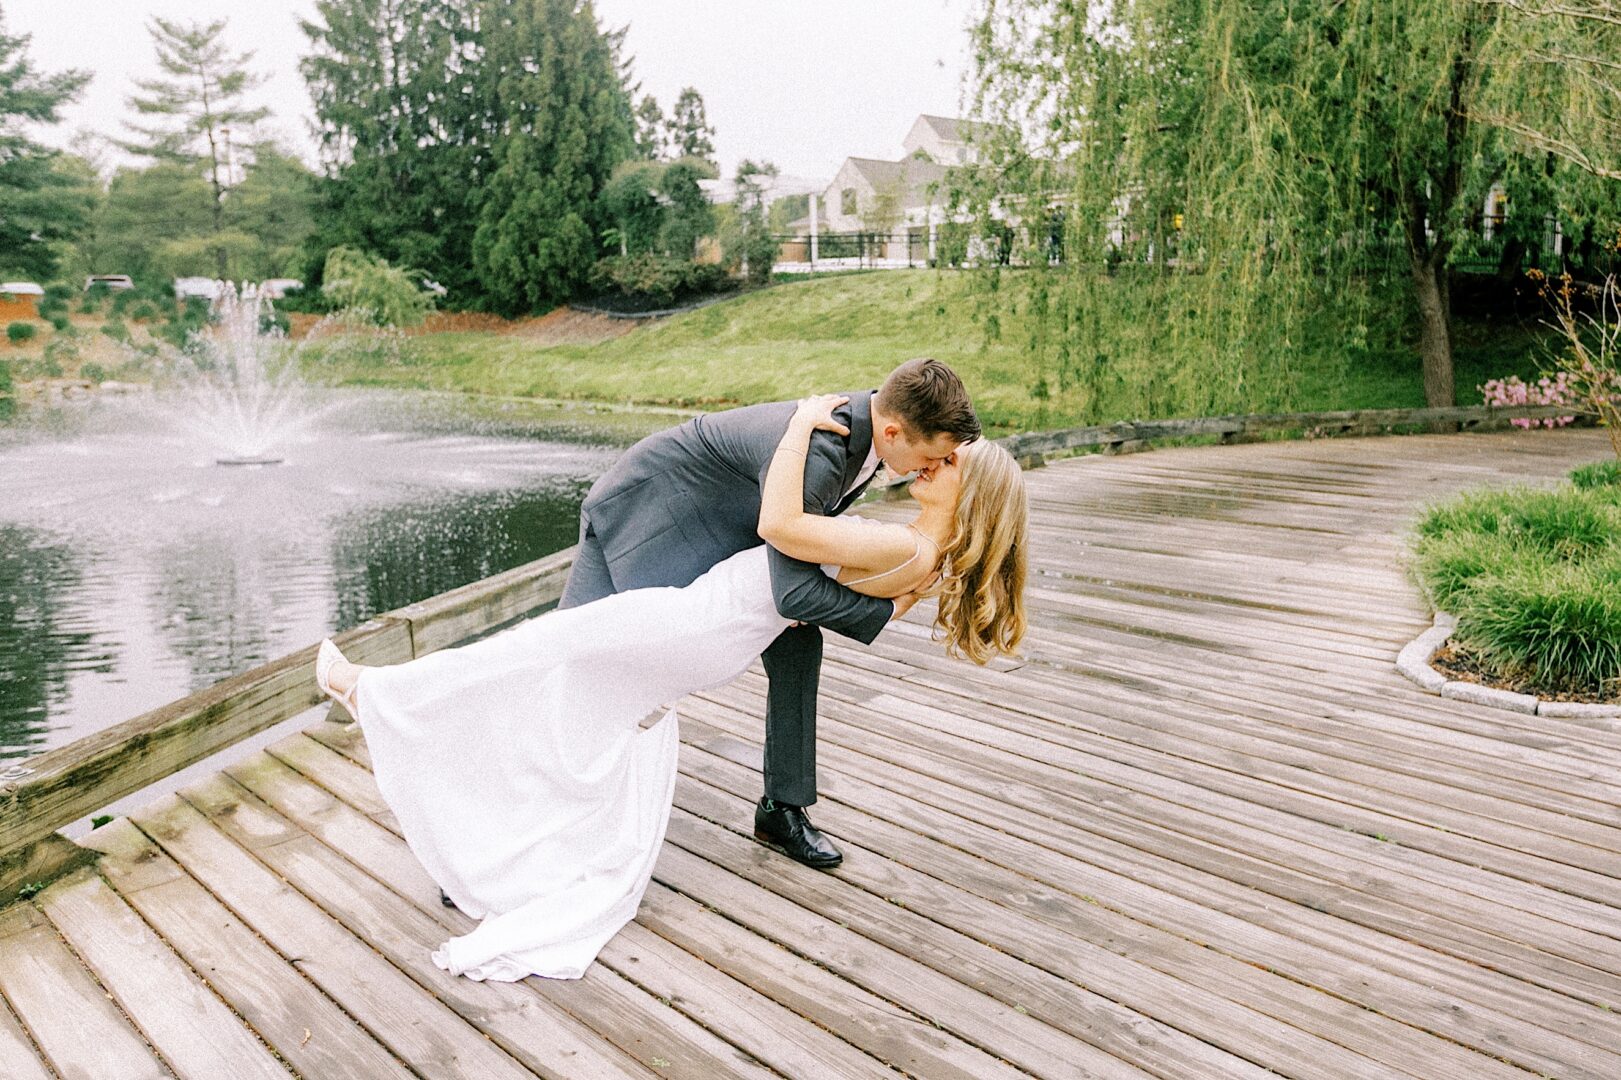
[517, 766]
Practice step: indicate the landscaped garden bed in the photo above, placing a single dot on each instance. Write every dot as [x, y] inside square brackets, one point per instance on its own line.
[1533, 578]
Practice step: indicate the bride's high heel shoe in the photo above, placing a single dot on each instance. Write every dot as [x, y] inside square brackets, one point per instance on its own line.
[327, 655]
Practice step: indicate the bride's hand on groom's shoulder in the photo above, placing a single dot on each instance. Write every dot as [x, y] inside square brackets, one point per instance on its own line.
[817, 411]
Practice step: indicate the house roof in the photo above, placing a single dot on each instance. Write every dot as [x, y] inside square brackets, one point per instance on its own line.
[912, 175]
[951, 128]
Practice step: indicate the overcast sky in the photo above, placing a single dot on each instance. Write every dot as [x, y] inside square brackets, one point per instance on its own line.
[801, 83]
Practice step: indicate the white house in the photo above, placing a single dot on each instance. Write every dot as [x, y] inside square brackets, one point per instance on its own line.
[886, 213]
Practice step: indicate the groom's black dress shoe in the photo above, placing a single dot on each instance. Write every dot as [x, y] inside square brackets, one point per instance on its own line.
[786, 829]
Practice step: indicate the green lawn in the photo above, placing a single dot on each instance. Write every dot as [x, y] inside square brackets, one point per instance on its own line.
[846, 333]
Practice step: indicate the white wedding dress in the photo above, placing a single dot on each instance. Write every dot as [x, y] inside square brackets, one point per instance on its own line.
[519, 772]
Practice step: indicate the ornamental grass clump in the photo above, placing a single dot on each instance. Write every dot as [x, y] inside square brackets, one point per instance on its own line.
[1598, 474]
[1534, 578]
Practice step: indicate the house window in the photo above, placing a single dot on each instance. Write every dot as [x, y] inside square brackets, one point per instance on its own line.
[847, 202]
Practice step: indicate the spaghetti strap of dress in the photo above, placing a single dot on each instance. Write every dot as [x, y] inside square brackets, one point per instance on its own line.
[917, 550]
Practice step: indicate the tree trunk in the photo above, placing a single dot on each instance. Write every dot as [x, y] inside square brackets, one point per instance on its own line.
[1435, 328]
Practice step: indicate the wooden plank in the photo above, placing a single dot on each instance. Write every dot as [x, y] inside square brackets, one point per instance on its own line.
[1267, 972]
[75, 1023]
[62, 785]
[1185, 986]
[1338, 871]
[19, 1058]
[880, 1026]
[37, 863]
[626, 1016]
[196, 1033]
[302, 1025]
[1151, 887]
[399, 1013]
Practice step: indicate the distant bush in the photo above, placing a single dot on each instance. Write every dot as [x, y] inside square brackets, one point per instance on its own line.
[389, 295]
[650, 282]
[274, 322]
[19, 332]
[115, 329]
[305, 301]
[59, 294]
[93, 371]
[61, 323]
[5, 376]
[145, 311]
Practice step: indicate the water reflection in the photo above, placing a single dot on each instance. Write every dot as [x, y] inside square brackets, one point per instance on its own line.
[381, 561]
[133, 571]
[37, 644]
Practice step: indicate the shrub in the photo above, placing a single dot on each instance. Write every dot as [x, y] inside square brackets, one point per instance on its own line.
[145, 311]
[650, 282]
[19, 332]
[58, 294]
[93, 371]
[1535, 580]
[5, 376]
[1559, 630]
[1548, 390]
[354, 280]
[1599, 474]
[61, 323]
[115, 329]
[305, 301]
[1563, 524]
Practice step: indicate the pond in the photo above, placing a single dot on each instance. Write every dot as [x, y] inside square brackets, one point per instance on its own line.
[135, 569]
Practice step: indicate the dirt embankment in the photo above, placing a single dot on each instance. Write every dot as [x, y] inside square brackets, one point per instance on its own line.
[564, 326]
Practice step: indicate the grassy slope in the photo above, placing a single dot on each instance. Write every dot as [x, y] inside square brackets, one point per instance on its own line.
[845, 333]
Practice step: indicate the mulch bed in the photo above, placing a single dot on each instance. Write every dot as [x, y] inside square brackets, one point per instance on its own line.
[1456, 662]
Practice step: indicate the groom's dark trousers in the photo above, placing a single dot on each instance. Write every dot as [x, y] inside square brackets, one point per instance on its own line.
[680, 501]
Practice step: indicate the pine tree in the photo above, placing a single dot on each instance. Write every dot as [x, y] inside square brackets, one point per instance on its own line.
[41, 205]
[197, 106]
[566, 122]
[689, 132]
[650, 129]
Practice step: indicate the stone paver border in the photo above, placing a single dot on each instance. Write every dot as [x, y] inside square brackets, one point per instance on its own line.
[1414, 662]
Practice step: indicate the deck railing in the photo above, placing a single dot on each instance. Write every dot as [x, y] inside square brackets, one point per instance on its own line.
[53, 789]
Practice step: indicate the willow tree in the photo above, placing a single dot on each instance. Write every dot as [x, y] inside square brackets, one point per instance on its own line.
[1267, 171]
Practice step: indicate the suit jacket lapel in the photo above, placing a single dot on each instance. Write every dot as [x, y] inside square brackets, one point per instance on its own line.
[860, 446]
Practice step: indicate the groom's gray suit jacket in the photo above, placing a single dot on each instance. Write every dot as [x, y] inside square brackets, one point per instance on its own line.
[680, 501]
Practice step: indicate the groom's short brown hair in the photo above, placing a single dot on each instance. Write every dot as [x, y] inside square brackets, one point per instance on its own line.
[928, 398]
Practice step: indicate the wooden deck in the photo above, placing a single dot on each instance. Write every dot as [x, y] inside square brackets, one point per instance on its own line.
[1206, 831]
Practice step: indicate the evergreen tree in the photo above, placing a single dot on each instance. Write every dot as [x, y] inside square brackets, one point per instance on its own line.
[42, 204]
[689, 132]
[688, 215]
[197, 107]
[406, 121]
[566, 122]
[751, 242]
[650, 129]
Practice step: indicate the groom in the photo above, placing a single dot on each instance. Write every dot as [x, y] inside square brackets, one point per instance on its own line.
[680, 501]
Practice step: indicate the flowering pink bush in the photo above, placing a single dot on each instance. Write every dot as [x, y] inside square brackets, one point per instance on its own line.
[1513, 390]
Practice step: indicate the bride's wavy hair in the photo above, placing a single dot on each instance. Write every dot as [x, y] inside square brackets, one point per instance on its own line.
[984, 563]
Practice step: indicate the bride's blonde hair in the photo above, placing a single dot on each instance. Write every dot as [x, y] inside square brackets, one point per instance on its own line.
[983, 564]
